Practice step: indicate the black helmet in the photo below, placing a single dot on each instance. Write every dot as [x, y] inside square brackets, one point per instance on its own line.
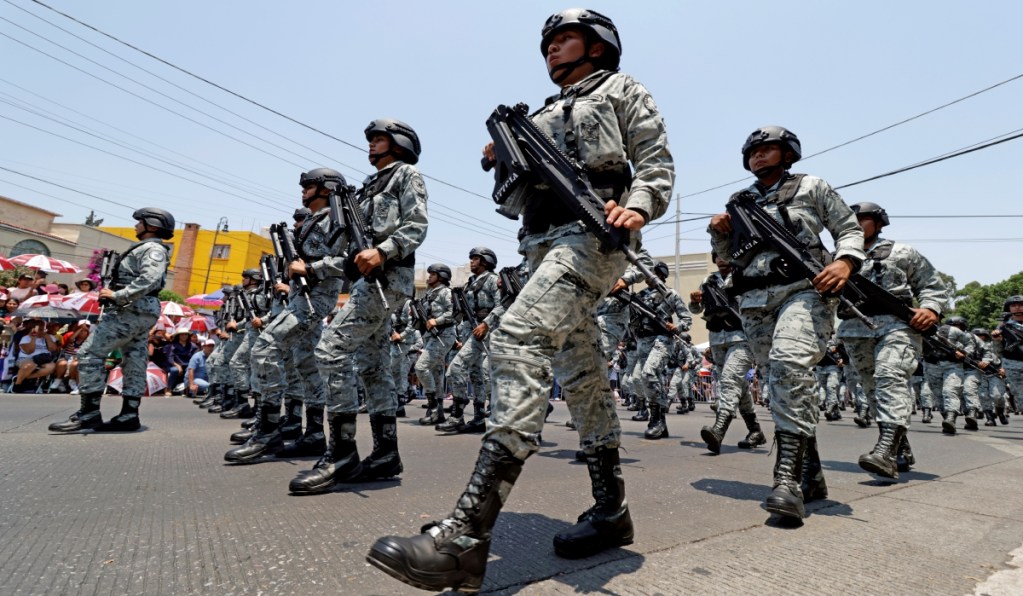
[771, 134]
[156, 218]
[486, 255]
[326, 177]
[302, 212]
[401, 134]
[872, 209]
[956, 321]
[443, 272]
[981, 331]
[253, 273]
[593, 24]
[1014, 299]
[227, 290]
[661, 270]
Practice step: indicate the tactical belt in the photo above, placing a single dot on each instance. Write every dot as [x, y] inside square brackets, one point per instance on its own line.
[443, 325]
[742, 284]
[722, 324]
[152, 293]
[545, 210]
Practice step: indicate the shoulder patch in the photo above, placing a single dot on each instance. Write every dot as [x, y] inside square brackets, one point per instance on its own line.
[418, 185]
[648, 103]
[157, 256]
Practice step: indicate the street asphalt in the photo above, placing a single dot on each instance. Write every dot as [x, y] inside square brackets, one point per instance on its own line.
[159, 512]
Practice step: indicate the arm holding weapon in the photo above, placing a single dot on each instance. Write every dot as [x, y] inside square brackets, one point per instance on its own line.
[284, 247]
[108, 274]
[524, 156]
[346, 216]
[422, 318]
[644, 309]
[462, 304]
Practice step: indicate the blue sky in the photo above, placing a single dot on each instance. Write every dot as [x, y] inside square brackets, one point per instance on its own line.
[831, 72]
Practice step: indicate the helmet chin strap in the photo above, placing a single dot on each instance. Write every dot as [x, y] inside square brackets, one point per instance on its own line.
[567, 69]
[768, 171]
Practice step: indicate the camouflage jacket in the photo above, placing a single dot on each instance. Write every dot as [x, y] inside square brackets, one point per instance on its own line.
[141, 273]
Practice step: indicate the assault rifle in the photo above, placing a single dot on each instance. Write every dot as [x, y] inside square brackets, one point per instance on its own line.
[107, 272]
[462, 304]
[716, 299]
[637, 304]
[946, 348]
[1012, 337]
[346, 216]
[271, 276]
[511, 284]
[246, 303]
[422, 318]
[526, 156]
[284, 248]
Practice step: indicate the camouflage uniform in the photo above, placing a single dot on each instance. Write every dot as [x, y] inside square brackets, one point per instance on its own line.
[731, 354]
[886, 357]
[471, 364]
[1012, 360]
[430, 366]
[393, 201]
[220, 369]
[296, 329]
[401, 323]
[125, 324]
[612, 320]
[241, 363]
[788, 323]
[944, 376]
[550, 329]
[655, 346]
[975, 385]
[829, 377]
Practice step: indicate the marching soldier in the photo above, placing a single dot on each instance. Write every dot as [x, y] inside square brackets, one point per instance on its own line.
[788, 320]
[605, 120]
[133, 299]
[438, 331]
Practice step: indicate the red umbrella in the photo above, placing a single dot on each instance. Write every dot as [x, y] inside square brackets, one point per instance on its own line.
[45, 263]
[197, 323]
[86, 302]
[165, 323]
[55, 300]
[156, 379]
[6, 265]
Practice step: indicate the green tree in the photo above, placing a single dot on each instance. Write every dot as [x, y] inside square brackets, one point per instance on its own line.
[981, 305]
[169, 296]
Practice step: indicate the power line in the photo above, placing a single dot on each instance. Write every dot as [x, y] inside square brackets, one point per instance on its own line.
[869, 134]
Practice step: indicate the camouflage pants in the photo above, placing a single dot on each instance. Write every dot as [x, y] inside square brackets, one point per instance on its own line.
[945, 380]
[551, 330]
[630, 375]
[612, 330]
[916, 385]
[680, 385]
[356, 340]
[974, 388]
[401, 364]
[128, 330]
[926, 397]
[433, 360]
[222, 372]
[650, 384]
[855, 388]
[885, 365]
[293, 332]
[470, 365]
[241, 363]
[996, 393]
[827, 383]
[1014, 378]
[791, 331]
[733, 361]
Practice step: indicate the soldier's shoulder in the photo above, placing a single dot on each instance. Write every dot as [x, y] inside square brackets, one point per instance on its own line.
[154, 251]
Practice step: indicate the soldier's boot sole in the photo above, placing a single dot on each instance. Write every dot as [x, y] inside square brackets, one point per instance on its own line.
[318, 481]
[876, 464]
[241, 455]
[712, 440]
[785, 503]
[76, 424]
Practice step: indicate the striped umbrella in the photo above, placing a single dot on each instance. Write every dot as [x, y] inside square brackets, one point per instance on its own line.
[45, 263]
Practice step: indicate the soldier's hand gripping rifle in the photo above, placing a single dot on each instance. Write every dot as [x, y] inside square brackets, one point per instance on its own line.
[271, 277]
[107, 274]
[511, 285]
[246, 304]
[637, 304]
[462, 304]
[284, 247]
[346, 216]
[756, 228]
[526, 156]
[943, 346]
[422, 318]
[717, 300]
[1012, 337]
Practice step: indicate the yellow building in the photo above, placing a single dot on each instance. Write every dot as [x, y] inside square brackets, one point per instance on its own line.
[205, 260]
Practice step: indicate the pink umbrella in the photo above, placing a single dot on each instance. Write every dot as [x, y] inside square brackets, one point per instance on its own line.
[6, 265]
[173, 309]
[156, 379]
[202, 300]
[86, 302]
[46, 263]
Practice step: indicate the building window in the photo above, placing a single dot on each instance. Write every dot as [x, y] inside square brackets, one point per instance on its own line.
[221, 251]
[29, 247]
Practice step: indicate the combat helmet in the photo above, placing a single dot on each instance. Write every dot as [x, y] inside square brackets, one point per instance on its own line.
[872, 209]
[771, 134]
[155, 217]
[401, 134]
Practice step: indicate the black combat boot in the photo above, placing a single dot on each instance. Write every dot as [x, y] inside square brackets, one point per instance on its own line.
[904, 459]
[862, 418]
[971, 419]
[452, 553]
[607, 524]
[813, 485]
[786, 498]
[240, 409]
[313, 441]
[642, 413]
[456, 422]
[266, 441]
[881, 459]
[400, 411]
[125, 422]
[989, 418]
[88, 415]
[833, 414]
[214, 389]
[948, 422]
[754, 436]
[339, 464]
[633, 401]
[714, 435]
[435, 411]
[383, 462]
[1000, 413]
[291, 422]
[248, 430]
[658, 426]
[692, 404]
[478, 423]
[927, 416]
[227, 401]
